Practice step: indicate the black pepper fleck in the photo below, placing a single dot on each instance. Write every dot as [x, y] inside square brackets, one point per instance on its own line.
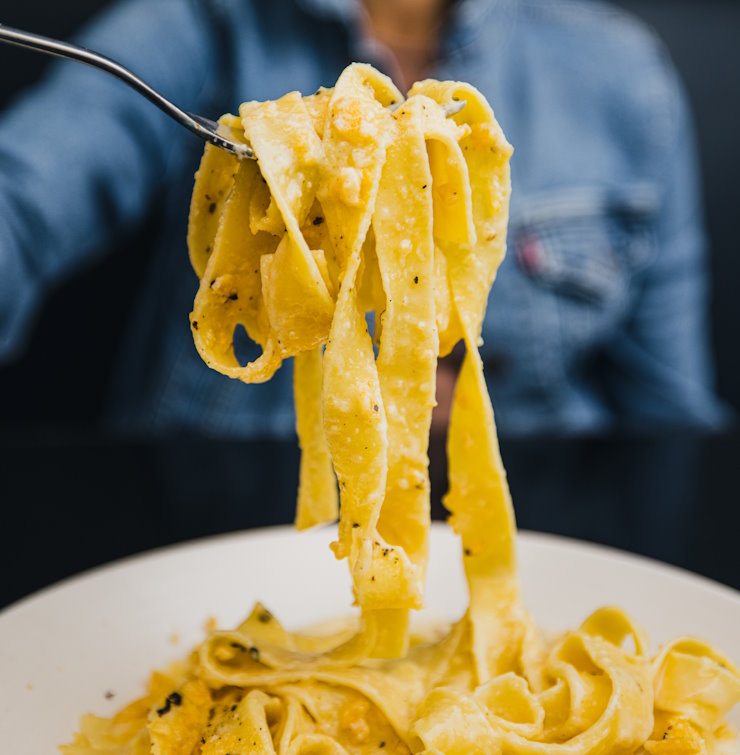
[318, 220]
[174, 698]
[254, 654]
[212, 208]
[264, 617]
[416, 279]
[233, 297]
[195, 325]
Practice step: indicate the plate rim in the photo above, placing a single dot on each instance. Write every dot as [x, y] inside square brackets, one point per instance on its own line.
[547, 539]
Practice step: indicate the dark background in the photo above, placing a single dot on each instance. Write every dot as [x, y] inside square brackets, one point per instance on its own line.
[68, 377]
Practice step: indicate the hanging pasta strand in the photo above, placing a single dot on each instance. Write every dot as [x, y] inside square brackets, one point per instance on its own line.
[478, 497]
[317, 488]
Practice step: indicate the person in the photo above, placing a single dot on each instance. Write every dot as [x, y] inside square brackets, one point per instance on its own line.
[598, 318]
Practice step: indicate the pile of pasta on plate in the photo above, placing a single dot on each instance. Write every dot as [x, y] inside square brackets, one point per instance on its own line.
[361, 201]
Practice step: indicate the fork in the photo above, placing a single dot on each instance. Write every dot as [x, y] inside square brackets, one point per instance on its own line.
[211, 131]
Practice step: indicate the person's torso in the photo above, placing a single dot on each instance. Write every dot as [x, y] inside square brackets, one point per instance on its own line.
[581, 224]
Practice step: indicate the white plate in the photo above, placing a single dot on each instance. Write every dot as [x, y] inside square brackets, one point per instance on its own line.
[64, 648]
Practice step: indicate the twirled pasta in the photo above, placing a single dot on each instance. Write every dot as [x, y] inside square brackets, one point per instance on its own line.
[354, 207]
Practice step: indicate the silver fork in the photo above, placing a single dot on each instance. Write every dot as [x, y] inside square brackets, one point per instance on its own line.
[213, 132]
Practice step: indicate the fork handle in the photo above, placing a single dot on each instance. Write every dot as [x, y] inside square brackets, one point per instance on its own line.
[60, 49]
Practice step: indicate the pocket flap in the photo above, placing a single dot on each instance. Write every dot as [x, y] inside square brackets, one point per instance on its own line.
[585, 243]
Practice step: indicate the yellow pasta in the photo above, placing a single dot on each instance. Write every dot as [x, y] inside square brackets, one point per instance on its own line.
[317, 490]
[364, 202]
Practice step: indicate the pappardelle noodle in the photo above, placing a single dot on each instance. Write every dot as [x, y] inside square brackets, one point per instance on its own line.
[355, 206]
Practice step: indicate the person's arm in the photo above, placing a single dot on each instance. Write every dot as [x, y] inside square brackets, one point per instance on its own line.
[660, 364]
[82, 155]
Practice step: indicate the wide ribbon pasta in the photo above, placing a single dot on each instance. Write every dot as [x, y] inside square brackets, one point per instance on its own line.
[359, 203]
[479, 498]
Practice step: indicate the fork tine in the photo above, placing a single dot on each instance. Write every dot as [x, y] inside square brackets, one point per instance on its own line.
[451, 108]
[454, 107]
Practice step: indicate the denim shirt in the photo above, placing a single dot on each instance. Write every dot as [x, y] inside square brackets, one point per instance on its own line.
[598, 316]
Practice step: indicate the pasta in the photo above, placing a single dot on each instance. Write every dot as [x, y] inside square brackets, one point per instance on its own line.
[356, 207]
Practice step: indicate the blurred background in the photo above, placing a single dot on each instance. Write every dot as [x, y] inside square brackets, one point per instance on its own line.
[164, 492]
[703, 37]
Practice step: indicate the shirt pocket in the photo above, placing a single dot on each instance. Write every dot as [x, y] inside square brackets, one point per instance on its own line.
[579, 251]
